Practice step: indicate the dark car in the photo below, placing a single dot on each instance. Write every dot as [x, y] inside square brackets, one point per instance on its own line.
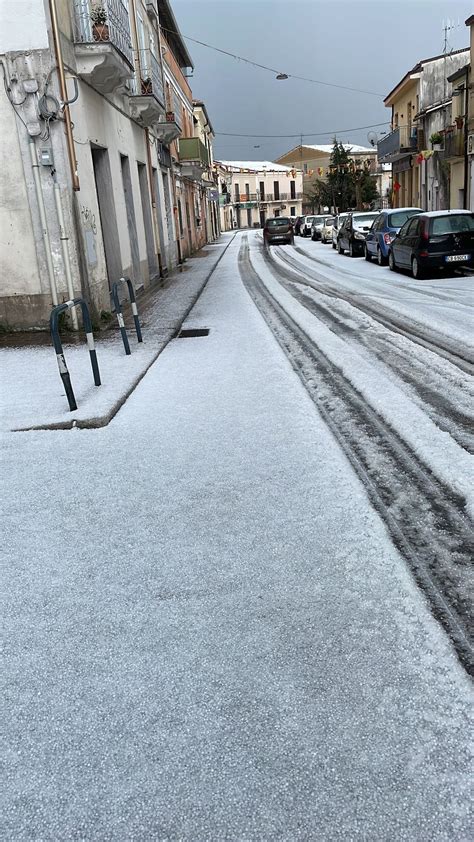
[352, 233]
[297, 225]
[433, 241]
[278, 229]
[378, 239]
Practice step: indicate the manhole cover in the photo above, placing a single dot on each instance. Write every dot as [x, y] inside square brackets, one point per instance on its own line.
[193, 331]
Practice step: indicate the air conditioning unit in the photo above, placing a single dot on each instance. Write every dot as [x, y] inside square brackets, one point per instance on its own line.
[470, 144]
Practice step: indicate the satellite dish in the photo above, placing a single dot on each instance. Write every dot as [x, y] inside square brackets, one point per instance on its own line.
[372, 138]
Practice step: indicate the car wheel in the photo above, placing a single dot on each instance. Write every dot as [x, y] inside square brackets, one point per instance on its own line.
[313, 238]
[351, 250]
[417, 273]
[340, 250]
[334, 245]
[391, 262]
[367, 255]
[381, 260]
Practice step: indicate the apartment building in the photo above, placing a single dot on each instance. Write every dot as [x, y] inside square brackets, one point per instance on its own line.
[422, 109]
[259, 189]
[95, 184]
[313, 161]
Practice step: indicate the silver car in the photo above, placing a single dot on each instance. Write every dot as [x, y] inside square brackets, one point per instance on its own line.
[338, 220]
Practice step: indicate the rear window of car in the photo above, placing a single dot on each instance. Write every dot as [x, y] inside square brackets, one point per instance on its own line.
[364, 217]
[329, 220]
[279, 220]
[452, 224]
[396, 220]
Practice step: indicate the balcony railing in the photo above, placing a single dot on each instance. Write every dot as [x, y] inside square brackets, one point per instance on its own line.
[150, 81]
[453, 144]
[246, 197]
[115, 28]
[398, 143]
[193, 149]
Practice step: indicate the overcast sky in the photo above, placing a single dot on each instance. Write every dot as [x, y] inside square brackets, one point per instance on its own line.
[368, 44]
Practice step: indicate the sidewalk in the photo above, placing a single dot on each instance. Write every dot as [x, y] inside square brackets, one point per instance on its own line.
[32, 392]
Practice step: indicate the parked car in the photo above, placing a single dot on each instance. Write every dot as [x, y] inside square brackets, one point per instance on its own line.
[278, 229]
[326, 231]
[338, 220]
[383, 231]
[352, 233]
[305, 228]
[297, 224]
[317, 227]
[433, 241]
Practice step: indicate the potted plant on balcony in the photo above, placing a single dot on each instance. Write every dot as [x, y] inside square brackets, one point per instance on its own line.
[436, 141]
[459, 122]
[100, 29]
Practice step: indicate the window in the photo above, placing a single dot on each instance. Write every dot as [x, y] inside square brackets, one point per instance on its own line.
[396, 220]
[292, 189]
[237, 192]
[277, 213]
[453, 224]
[262, 190]
[247, 191]
[292, 211]
[276, 189]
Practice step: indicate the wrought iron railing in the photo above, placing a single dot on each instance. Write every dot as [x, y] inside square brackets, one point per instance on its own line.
[403, 138]
[150, 80]
[105, 21]
[192, 149]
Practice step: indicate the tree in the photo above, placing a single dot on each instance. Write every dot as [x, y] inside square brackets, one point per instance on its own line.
[317, 194]
[340, 181]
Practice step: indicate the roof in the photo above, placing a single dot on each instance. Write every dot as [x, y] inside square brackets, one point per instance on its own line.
[458, 73]
[198, 103]
[349, 147]
[255, 166]
[173, 35]
[469, 21]
[446, 212]
[419, 66]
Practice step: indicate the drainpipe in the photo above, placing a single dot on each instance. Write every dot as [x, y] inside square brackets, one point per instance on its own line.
[466, 157]
[44, 224]
[65, 250]
[64, 95]
[153, 201]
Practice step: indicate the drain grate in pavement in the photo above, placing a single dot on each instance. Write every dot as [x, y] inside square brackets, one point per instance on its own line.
[193, 331]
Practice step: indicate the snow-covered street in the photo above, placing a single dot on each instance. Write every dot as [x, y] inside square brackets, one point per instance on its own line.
[241, 610]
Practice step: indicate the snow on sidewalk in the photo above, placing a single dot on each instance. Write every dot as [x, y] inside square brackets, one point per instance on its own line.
[32, 393]
[209, 634]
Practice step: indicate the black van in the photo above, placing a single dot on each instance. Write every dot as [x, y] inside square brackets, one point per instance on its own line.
[433, 241]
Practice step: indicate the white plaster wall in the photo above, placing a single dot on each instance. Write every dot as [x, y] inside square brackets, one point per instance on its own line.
[22, 25]
[18, 260]
[97, 121]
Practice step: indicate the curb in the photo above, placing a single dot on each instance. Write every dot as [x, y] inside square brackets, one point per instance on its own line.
[104, 420]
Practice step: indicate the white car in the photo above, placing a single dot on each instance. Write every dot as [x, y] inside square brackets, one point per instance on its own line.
[317, 227]
[338, 220]
[326, 230]
[305, 228]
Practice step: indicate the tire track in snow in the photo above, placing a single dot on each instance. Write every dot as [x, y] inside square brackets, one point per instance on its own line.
[425, 519]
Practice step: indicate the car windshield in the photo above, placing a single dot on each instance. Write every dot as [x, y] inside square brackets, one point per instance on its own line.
[318, 219]
[452, 224]
[310, 218]
[329, 220]
[280, 220]
[396, 220]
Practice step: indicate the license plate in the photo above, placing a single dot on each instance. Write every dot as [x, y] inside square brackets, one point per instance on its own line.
[455, 258]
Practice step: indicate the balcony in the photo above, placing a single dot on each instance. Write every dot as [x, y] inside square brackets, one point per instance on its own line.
[193, 157]
[246, 197]
[399, 143]
[168, 128]
[453, 144]
[152, 9]
[147, 96]
[102, 40]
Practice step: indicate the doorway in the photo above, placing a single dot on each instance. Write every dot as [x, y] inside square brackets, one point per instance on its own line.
[108, 218]
[131, 221]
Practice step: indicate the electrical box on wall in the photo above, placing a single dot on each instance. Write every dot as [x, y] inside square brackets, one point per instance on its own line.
[46, 156]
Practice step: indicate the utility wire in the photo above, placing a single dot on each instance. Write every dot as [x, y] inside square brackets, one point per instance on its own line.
[271, 69]
[305, 134]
